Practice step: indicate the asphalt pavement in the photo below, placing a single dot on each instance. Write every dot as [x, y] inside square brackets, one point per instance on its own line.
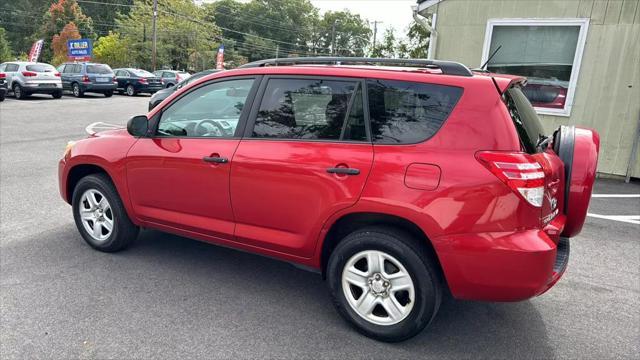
[171, 297]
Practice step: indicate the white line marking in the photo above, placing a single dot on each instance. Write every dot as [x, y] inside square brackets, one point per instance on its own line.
[615, 195]
[631, 219]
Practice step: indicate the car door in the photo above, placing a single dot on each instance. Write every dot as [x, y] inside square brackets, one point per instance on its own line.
[121, 78]
[179, 177]
[305, 155]
[11, 71]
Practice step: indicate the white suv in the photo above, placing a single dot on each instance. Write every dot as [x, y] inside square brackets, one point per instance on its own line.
[26, 78]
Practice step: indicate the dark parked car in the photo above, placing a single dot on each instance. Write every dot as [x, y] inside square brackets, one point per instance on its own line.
[163, 94]
[88, 77]
[171, 77]
[3, 86]
[133, 81]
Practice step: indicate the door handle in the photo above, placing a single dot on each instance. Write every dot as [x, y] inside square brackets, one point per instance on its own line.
[215, 159]
[343, 171]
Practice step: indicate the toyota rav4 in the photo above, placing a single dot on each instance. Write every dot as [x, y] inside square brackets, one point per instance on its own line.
[398, 180]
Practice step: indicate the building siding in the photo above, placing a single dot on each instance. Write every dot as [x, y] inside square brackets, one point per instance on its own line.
[607, 95]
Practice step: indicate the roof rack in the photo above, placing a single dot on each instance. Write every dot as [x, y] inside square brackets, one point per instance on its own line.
[447, 67]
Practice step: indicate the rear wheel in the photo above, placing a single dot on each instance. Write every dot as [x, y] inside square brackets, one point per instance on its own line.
[131, 91]
[100, 215]
[77, 92]
[108, 93]
[18, 92]
[57, 94]
[383, 283]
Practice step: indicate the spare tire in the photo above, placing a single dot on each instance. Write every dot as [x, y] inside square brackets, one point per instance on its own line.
[578, 149]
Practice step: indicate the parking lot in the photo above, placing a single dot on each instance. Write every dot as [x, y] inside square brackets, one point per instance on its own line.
[171, 297]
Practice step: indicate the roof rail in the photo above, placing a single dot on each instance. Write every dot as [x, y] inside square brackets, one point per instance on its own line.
[447, 67]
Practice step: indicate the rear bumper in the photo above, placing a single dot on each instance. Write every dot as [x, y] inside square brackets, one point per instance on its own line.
[149, 88]
[504, 266]
[98, 87]
[41, 88]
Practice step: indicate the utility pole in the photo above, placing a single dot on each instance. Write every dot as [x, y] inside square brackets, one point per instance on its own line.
[333, 37]
[375, 32]
[277, 50]
[155, 17]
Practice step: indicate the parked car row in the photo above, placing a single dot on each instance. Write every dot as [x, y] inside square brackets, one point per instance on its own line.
[24, 78]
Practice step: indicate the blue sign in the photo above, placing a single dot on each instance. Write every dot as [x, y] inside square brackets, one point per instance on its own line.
[80, 48]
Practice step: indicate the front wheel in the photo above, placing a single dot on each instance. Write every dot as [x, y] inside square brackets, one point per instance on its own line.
[100, 215]
[383, 283]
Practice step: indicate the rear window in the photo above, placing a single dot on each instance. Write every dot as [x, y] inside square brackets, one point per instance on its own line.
[143, 73]
[524, 118]
[98, 69]
[40, 68]
[404, 112]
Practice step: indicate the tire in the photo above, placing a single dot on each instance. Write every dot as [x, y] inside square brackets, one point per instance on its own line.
[416, 305]
[57, 94]
[2, 95]
[108, 94]
[169, 85]
[123, 232]
[18, 92]
[77, 91]
[130, 90]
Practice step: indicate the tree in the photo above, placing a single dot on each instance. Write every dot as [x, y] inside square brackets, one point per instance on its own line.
[113, 50]
[419, 36]
[60, 14]
[22, 20]
[387, 47]
[5, 47]
[59, 42]
[352, 33]
[184, 32]
[105, 12]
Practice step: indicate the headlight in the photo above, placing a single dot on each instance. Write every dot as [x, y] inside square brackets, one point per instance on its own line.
[67, 149]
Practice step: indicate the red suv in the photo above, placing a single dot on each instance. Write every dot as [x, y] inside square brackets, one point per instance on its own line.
[397, 182]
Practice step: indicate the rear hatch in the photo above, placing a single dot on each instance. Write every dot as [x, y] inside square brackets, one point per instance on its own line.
[44, 75]
[536, 142]
[100, 74]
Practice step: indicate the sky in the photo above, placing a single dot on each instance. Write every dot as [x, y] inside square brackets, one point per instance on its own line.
[392, 13]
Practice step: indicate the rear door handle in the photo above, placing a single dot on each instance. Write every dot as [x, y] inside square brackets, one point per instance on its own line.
[215, 159]
[343, 171]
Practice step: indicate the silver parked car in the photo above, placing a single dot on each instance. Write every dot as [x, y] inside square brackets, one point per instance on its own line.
[26, 78]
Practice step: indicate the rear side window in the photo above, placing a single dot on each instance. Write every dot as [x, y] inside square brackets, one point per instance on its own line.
[406, 112]
[98, 69]
[524, 118]
[11, 67]
[40, 68]
[311, 109]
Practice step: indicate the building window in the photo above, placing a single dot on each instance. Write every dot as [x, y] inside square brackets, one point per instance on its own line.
[547, 51]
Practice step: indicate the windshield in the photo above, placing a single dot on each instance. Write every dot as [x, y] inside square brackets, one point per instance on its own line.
[98, 69]
[143, 73]
[41, 68]
[524, 118]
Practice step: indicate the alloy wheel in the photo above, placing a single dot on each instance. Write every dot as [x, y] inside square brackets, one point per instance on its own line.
[96, 215]
[130, 90]
[76, 90]
[378, 287]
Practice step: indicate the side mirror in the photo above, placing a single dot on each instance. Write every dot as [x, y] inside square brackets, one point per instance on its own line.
[138, 125]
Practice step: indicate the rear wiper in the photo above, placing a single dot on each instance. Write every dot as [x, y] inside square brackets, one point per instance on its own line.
[543, 142]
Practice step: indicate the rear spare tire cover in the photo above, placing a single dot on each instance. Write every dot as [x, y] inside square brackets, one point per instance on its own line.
[578, 148]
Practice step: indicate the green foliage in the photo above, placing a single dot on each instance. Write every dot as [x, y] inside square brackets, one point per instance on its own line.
[22, 20]
[112, 49]
[5, 47]
[184, 34]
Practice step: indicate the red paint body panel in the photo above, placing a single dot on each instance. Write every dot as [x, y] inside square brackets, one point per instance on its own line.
[276, 198]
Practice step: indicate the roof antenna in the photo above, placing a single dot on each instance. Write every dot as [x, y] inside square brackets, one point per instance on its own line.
[483, 67]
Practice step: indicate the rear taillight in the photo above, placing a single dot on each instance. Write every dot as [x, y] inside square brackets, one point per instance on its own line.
[85, 78]
[177, 78]
[519, 171]
[3, 75]
[115, 80]
[57, 74]
[29, 73]
[142, 81]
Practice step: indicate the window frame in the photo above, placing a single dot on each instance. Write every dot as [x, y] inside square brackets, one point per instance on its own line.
[583, 24]
[248, 131]
[240, 128]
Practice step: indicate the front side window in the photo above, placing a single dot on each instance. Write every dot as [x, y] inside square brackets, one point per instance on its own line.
[310, 109]
[547, 52]
[209, 111]
[404, 112]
